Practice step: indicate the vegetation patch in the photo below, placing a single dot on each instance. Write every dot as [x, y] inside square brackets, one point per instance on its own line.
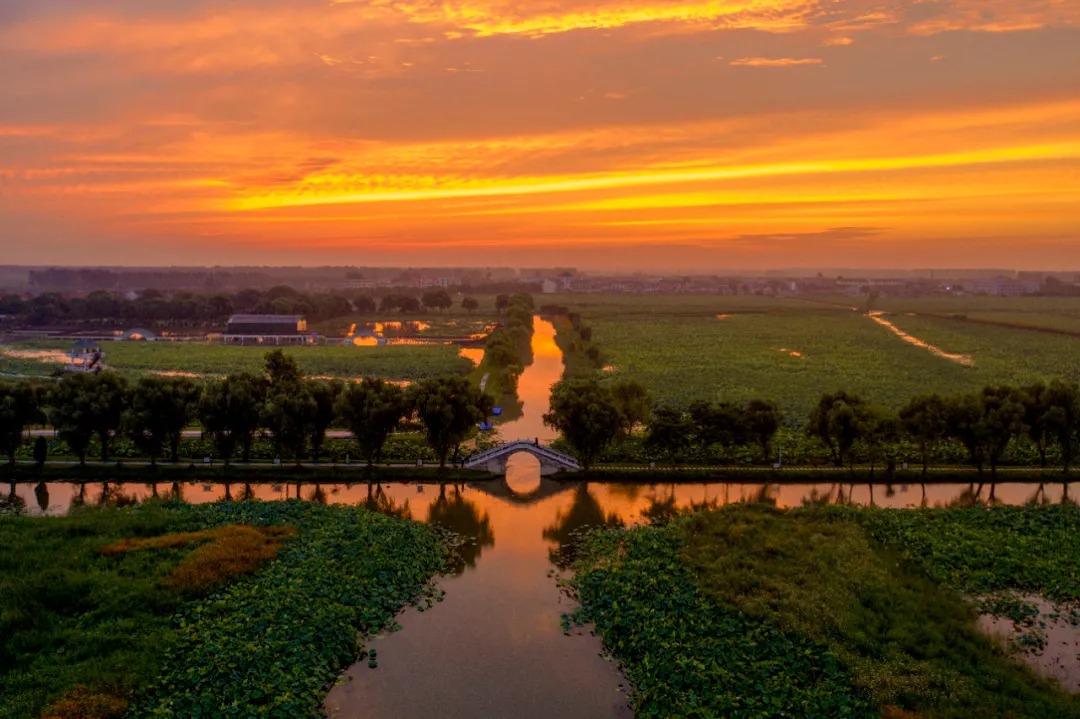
[159, 607]
[881, 633]
[691, 656]
[221, 554]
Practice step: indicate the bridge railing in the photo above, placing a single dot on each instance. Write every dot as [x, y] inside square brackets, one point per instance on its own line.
[523, 444]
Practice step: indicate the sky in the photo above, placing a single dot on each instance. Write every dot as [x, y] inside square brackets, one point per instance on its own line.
[608, 135]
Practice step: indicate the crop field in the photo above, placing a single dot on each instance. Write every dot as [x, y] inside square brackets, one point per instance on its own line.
[685, 348]
[393, 362]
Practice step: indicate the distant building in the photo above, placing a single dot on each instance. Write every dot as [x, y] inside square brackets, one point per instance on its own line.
[267, 329]
[1003, 287]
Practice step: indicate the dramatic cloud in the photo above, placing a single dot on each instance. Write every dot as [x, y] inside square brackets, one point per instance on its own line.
[689, 133]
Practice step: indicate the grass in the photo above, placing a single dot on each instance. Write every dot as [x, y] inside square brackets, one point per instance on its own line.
[883, 632]
[394, 362]
[792, 351]
[72, 616]
[183, 614]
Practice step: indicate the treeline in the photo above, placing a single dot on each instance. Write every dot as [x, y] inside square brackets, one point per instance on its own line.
[153, 307]
[581, 356]
[1030, 425]
[292, 412]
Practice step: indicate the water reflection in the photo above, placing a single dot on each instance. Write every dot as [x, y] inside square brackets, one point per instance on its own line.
[464, 518]
[41, 494]
[378, 501]
[584, 512]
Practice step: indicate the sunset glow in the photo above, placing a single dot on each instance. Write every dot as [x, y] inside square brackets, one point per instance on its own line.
[692, 135]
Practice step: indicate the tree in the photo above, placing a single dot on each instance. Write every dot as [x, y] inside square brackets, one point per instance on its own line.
[721, 424]
[1063, 419]
[288, 410]
[282, 370]
[372, 410]
[876, 427]
[633, 402]
[83, 405]
[159, 410]
[41, 453]
[836, 424]
[325, 395]
[288, 413]
[19, 407]
[437, 300]
[229, 411]
[964, 418]
[364, 304]
[450, 408]
[924, 419]
[1037, 417]
[670, 431]
[501, 302]
[1003, 418]
[761, 421]
[586, 414]
[469, 304]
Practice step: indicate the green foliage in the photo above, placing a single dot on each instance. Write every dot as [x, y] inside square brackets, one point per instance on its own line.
[909, 643]
[1033, 549]
[586, 414]
[689, 656]
[371, 410]
[450, 408]
[85, 405]
[158, 410]
[19, 407]
[715, 613]
[229, 410]
[267, 645]
[71, 616]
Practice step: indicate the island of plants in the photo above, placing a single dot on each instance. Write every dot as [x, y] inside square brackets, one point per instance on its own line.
[168, 610]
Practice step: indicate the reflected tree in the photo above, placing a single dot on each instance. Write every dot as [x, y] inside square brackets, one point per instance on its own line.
[583, 514]
[378, 501]
[463, 517]
[41, 494]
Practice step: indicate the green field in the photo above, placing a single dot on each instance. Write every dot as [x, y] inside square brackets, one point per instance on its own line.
[791, 350]
[747, 611]
[393, 362]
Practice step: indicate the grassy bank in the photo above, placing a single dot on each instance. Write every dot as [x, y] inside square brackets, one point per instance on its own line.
[751, 612]
[95, 605]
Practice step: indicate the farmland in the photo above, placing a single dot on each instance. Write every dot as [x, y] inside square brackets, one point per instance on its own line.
[393, 362]
[690, 347]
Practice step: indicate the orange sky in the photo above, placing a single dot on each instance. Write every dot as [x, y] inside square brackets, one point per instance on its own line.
[620, 134]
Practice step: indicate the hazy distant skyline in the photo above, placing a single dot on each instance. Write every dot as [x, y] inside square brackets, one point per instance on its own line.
[617, 135]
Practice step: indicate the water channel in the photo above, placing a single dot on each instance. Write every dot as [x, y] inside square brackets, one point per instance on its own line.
[495, 646]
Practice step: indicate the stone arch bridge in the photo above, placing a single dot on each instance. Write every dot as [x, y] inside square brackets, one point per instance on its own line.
[551, 461]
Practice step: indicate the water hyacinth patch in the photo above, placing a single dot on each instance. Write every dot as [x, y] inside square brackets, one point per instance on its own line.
[689, 657]
[271, 645]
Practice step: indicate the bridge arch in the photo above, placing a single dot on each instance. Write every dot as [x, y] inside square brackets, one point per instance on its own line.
[494, 460]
